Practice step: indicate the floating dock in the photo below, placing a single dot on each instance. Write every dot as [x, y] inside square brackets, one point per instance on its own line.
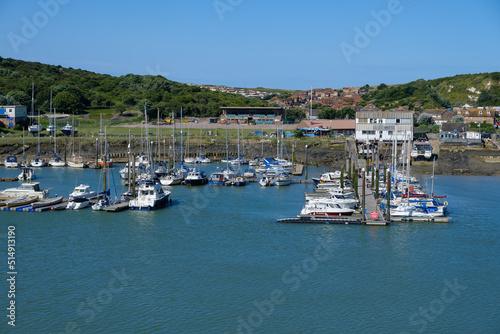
[421, 219]
[317, 220]
[120, 206]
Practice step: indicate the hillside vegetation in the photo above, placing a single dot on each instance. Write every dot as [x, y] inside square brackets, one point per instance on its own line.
[477, 89]
[76, 90]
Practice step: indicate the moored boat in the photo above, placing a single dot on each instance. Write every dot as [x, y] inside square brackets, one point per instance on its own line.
[82, 191]
[47, 202]
[196, 178]
[78, 203]
[150, 196]
[322, 209]
[21, 202]
[11, 162]
[27, 188]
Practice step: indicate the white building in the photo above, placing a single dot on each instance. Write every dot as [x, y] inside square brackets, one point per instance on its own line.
[11, 115]
[384, 125]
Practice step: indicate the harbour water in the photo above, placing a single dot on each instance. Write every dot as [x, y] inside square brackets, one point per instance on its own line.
[216, 261]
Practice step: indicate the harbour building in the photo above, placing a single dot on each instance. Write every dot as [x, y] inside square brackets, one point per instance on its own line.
[383, 125]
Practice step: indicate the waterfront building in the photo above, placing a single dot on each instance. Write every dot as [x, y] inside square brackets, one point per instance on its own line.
[257, 115]
[10, 116]
[383, 125]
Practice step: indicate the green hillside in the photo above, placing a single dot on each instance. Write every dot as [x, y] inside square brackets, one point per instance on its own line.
[477, 89]
[76, 90]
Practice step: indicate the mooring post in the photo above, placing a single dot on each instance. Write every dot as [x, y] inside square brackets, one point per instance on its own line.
[306, 164]
[363, 174]
[388, 196]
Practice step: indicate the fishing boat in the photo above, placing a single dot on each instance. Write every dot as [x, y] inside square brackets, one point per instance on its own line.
[82, 191]
[11, 162]
[27, 174]
[150, 196]
[47, 202]
[322, 209]
[27, 188]
[196, 178]
[78, 203]
[22, 202]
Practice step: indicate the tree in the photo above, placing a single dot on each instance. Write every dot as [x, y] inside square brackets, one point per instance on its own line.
[425, 119]
[295, 114]
[382, 86]
[458, 119]
[19, 97]
[68, 102]
[120, 107]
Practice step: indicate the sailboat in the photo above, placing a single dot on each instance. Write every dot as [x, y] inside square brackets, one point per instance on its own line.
[239, 180]
[172, 178]
[76, 161]
[38, 162]
[34, 128]
[51, 129]
[104, 197]
[56, 161]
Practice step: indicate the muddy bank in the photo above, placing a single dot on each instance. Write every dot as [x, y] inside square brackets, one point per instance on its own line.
[323, 154]
[462, 161]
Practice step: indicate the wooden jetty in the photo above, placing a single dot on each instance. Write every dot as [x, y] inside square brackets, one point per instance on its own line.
[8, 179]
[120, 206]
[297, 169]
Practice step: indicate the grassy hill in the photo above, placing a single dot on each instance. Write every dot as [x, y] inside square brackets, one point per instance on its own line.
[481, 89]
[76, 91]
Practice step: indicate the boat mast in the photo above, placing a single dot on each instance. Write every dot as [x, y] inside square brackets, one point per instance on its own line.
[173, 141]
[180, 143]
[147, 139]
[128, 164]
[40, 130]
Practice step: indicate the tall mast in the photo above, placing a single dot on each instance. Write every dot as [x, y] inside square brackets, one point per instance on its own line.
[40, 130]
[173, 140]
[180, 143]
[32, 100]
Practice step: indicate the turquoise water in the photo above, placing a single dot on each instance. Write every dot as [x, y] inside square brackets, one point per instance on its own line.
[217, 262]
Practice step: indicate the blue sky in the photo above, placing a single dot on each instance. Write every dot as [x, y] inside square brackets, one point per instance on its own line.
[250, 43]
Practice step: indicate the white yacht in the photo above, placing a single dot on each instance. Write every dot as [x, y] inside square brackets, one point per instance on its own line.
[27, 188]
[82, 191]
[150, 196]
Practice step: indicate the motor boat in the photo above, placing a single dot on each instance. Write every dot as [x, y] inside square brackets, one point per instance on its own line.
[82, 191]
[78, 203]
[150, 196]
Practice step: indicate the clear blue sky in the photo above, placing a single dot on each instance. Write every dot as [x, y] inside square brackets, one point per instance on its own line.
[250, 43]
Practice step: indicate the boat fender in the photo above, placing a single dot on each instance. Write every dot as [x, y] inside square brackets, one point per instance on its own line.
[445, 203]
